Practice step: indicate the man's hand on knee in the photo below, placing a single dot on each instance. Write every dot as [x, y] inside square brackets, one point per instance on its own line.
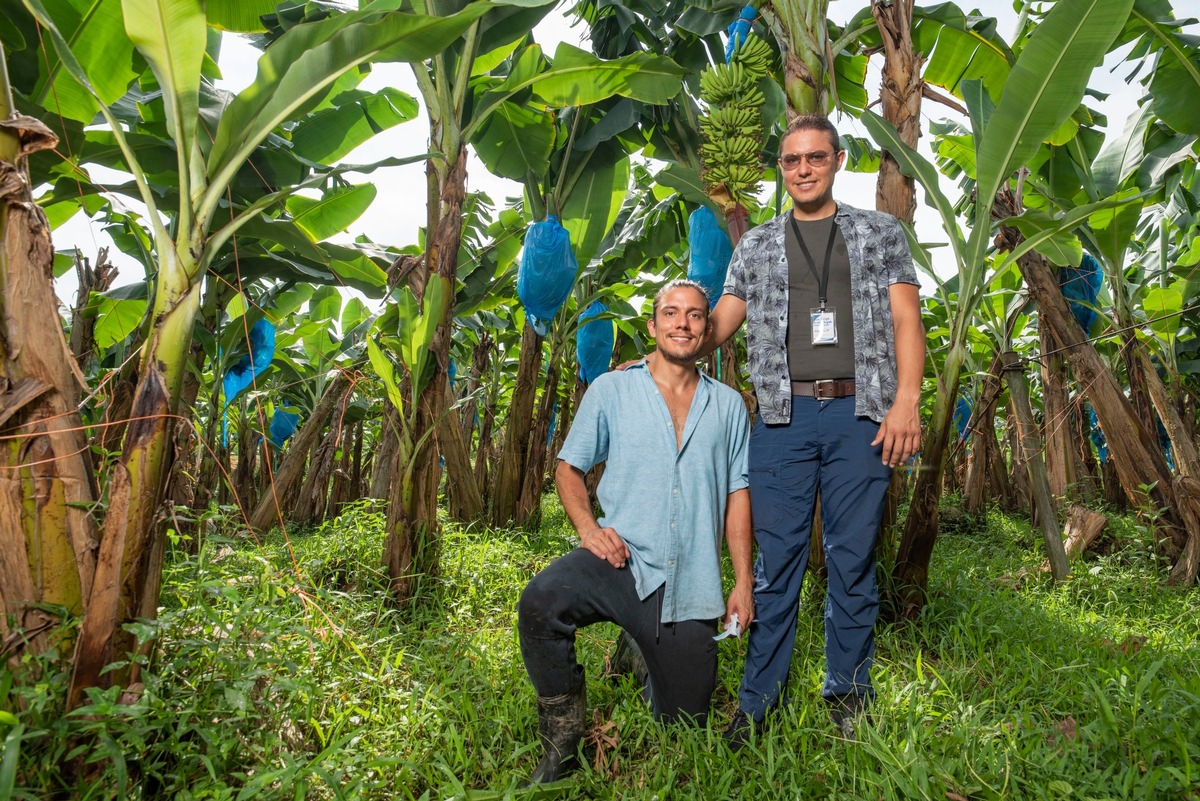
[606, 544]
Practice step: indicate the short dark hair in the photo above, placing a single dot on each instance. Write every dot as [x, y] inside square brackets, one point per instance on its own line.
[676, 284]
[813, 122]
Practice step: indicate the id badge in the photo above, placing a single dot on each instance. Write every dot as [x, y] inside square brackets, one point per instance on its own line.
[824, 326]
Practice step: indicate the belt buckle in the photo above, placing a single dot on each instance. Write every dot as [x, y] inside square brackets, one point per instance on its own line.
[817, 388]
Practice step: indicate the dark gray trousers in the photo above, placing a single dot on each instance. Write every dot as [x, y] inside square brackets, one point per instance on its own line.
[579, 589]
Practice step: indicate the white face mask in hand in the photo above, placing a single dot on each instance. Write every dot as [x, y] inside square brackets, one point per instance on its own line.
[732, 629]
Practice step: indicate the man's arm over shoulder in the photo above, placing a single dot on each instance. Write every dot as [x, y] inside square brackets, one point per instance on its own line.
[724, 320]
[898, 261]
[730, 311]
[741, 266]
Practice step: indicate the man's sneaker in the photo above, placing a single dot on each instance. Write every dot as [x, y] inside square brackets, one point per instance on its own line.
[846, 711]
[737, 733]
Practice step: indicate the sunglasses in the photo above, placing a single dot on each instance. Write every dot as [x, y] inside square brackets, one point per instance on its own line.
[818, 158]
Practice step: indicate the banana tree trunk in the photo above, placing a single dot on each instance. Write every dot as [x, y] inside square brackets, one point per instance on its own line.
[342, 483]
[1085, 457]
[356, 470]
[900, 96]
[312, 498]
[91, 279]
[529, 506]
[1031, 447]
[280, 495]
[800, 28]
[895, 193]
[181, 485]
[383, 459]
[982, 436]
[411, 548]
[1139, 395]
[1018, 472]
[1185, 402]
[469, 416]
[981, 461]
[47, 539]
[910, 576]
[515, 455]
[484, 450]
[247, 460]
[566, 410]
[1187, 464]
[1187, 457]
[119, 409]
[1061, 470]
[129, 566]
[1139, 463]
[462, 493]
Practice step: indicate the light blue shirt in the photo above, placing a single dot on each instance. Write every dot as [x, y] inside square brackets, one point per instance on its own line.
[668, 504]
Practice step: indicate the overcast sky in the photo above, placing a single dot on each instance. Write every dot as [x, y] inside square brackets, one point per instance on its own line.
[398, 212]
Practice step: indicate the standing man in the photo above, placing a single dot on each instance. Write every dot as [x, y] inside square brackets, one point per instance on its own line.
[836, 354]
[674, 444]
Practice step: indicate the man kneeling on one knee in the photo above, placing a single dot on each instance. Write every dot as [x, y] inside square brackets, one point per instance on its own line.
[674, 444]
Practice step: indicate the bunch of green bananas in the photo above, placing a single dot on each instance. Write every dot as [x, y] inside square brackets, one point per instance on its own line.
[734, 175]
[755, 57]
[731, 150]
[733, 128]
[730, 121]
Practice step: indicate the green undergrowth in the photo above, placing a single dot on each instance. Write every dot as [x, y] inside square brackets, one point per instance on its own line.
[282, 671]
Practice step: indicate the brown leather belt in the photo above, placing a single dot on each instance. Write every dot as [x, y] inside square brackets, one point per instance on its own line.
[825, 389]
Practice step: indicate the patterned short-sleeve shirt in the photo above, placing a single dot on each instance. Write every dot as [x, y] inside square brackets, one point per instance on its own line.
[758, 274]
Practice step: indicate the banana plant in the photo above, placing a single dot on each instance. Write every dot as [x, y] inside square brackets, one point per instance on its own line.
[46, 480]
[582, 177]
[463, 104]
[1041, 93]
[1141, 247]
[294, 73]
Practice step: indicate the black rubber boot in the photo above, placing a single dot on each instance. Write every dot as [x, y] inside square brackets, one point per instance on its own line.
[627, 660]
[561, 726]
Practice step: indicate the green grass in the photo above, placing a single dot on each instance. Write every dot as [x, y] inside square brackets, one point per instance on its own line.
[294, 677]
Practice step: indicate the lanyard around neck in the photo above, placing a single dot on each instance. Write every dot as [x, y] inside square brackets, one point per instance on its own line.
[823, 279]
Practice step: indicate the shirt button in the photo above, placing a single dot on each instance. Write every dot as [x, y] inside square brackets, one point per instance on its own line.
[676, 490]
[671, 562]
[672, 525]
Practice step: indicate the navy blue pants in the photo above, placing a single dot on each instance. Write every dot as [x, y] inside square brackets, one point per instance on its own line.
[824, 447]
[579, 589]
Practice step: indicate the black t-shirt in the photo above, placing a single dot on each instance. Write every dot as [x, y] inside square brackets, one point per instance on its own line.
[806, 361]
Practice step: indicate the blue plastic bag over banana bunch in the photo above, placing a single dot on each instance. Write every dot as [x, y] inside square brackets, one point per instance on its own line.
[963, 410]
[594, 343]
[738, 30]
[283, 425]
[1081, 286]
[709, 253]
[546, 273]
[251, 365]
